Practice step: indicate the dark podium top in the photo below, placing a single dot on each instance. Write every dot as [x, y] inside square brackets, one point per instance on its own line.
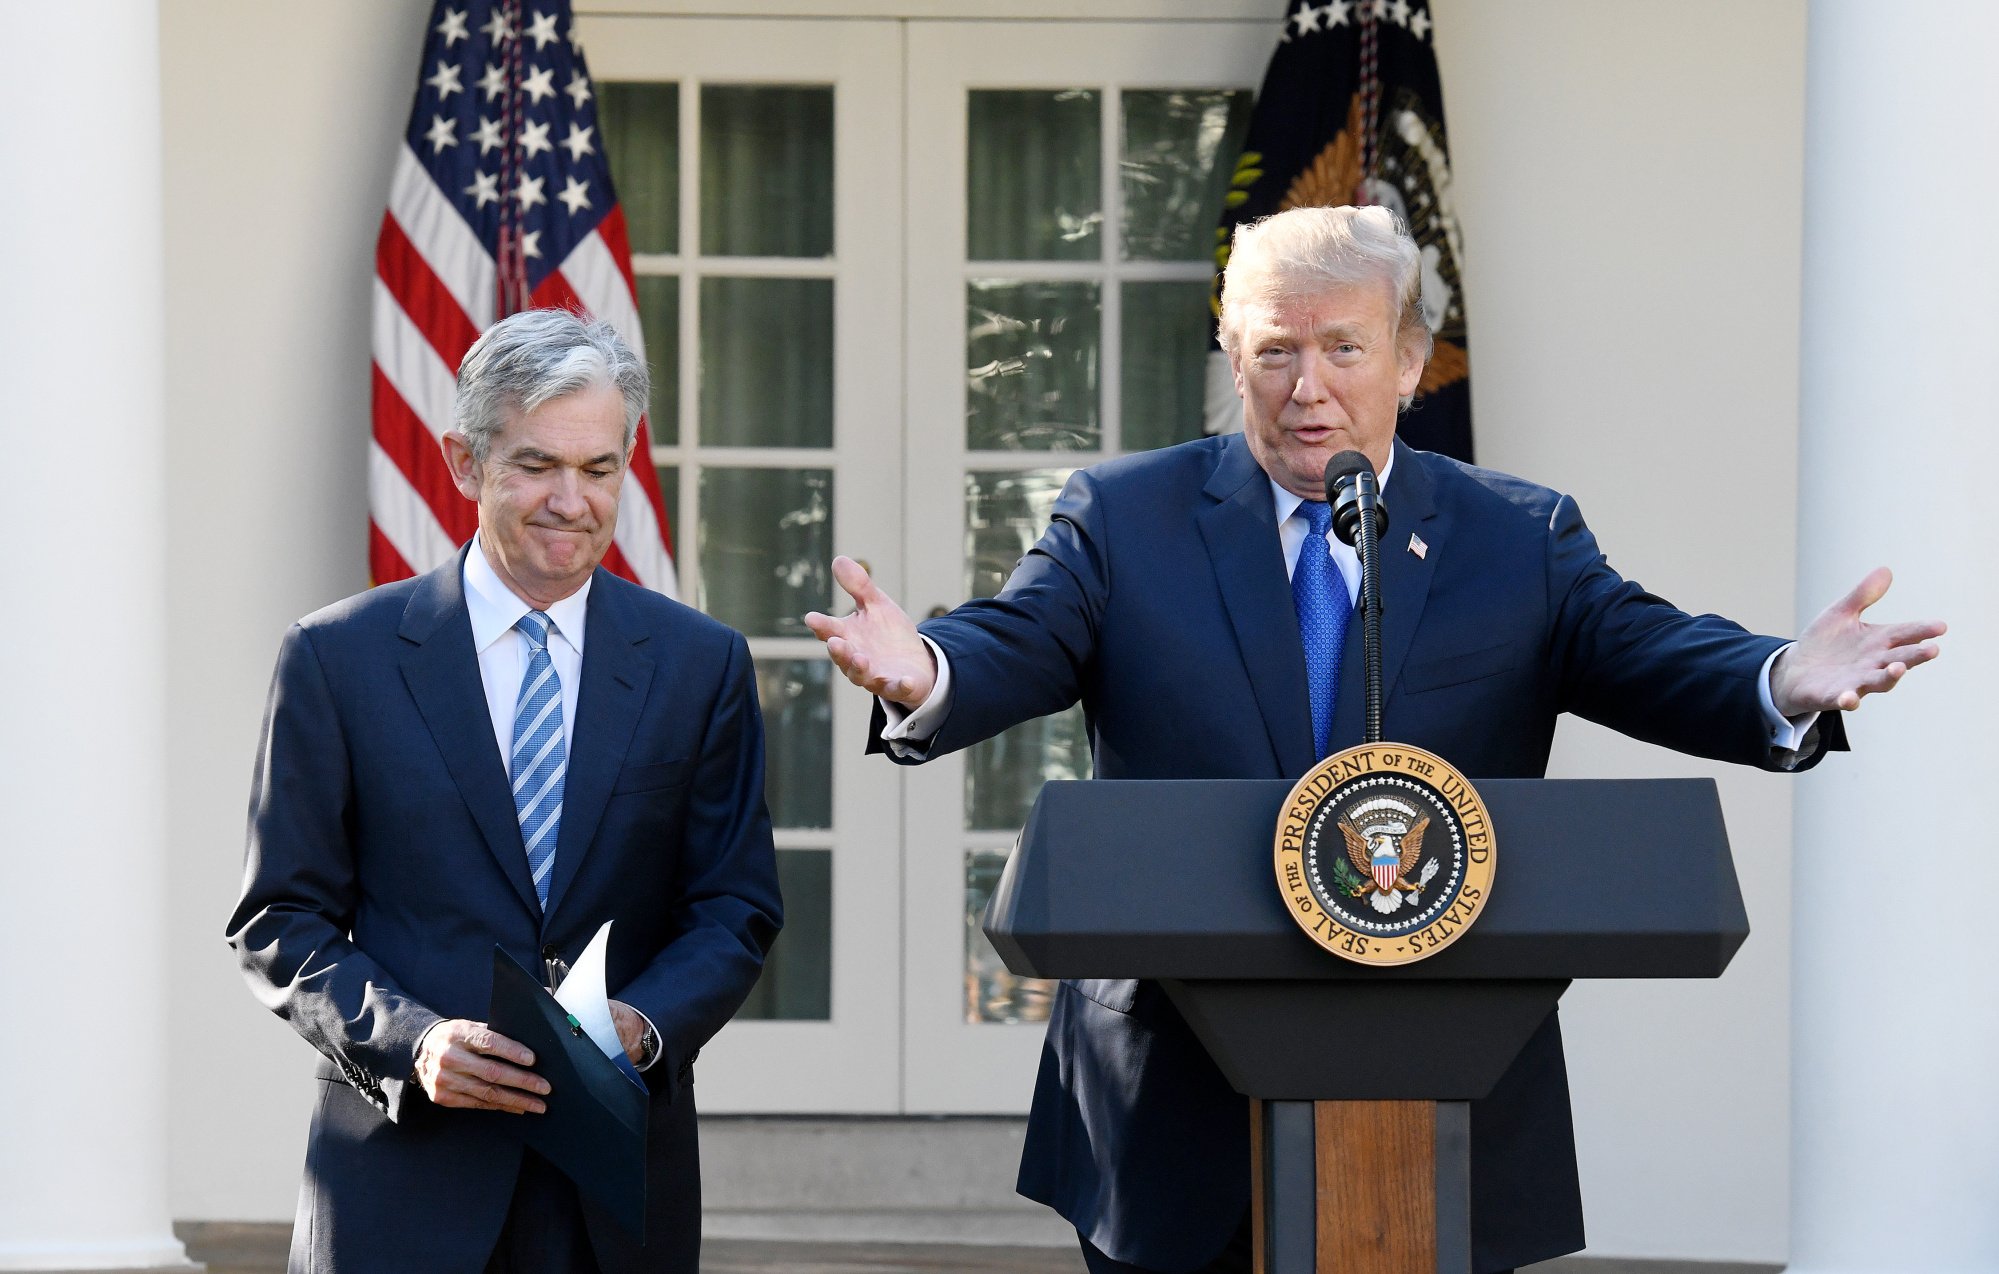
[1596, 878]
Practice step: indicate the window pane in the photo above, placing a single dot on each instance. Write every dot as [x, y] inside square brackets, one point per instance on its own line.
[766, 545]
[767, 362]
[797, 981]
[766, 171]
[1004, 774]
[798, 740]
[1179, 152]
[1004, 514]
[659, 316]
[1035, 189]
[992, 994]
[641, 124]
[1164, 350]
[1031, 352]
[669, 491]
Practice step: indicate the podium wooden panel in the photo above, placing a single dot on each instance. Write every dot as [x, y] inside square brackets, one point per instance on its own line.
[1387, 1183]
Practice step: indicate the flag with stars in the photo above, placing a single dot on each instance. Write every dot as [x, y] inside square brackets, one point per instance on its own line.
[501, 200]
[1351, 112]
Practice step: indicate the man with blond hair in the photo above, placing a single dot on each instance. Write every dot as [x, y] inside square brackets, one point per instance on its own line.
[1192, 600]
[511, 750]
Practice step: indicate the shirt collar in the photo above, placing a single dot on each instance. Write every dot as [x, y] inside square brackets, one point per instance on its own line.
[495, 609]
[1287, 503]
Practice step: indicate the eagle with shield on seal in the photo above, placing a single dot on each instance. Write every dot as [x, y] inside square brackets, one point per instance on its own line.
[1384, 864]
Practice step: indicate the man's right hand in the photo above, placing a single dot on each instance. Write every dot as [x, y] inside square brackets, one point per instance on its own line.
[473, 1067]
[876, 646]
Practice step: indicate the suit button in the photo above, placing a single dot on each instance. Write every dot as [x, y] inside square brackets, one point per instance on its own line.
[548, 951]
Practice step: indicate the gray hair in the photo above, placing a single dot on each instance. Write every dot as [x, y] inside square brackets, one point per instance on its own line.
[1302, 252]
[535, 357]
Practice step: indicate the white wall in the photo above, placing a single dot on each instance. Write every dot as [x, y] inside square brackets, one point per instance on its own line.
[1629, 185]
[280, 122]
[1629, 178]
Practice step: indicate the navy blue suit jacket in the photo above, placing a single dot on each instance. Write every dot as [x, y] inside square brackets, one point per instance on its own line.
[385, 862]
[1158, 598]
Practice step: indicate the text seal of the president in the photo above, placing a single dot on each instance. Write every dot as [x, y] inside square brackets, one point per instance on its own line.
[1384, 853]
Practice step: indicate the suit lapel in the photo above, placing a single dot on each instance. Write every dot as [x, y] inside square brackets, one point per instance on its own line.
[1240, 530]
[617, 672]
[441, 669]
[1405, 589]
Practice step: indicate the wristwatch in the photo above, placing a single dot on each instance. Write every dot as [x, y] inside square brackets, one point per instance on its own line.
[648, 1047]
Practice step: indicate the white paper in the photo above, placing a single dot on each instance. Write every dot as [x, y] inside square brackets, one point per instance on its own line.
[584, 997]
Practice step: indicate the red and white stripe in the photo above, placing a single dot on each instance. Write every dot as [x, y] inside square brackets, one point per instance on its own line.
[435, 291]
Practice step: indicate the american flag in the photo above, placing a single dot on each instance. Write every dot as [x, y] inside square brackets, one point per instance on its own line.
[501, 200]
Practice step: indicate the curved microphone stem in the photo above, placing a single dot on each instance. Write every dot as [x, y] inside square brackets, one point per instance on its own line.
[1367, 545]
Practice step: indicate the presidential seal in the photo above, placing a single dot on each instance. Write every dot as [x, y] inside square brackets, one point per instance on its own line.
[1384, 854]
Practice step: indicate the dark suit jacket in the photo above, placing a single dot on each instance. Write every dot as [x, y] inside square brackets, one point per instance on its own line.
[385, 862]
[1158, 597]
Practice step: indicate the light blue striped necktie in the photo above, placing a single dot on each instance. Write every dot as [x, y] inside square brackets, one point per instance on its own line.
[539, 758]
[1319, 592]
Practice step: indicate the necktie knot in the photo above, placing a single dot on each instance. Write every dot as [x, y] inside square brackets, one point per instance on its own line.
[1319, 514]
[534, 626]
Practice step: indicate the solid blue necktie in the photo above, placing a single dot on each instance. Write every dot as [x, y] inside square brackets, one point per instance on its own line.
[539, 759]
[1320, 593]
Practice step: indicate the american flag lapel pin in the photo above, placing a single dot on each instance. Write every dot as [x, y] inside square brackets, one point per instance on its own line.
[1417, 546]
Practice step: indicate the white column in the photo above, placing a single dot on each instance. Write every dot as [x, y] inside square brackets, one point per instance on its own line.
[83, 1151]
[1895, 1047]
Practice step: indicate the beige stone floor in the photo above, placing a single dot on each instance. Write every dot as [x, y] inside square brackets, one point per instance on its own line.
[260, 1249]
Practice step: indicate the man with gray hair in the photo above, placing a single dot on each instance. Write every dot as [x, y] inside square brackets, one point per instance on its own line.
[511, 750]
[1191, 599]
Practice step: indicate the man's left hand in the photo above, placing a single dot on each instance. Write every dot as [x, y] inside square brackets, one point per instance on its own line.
[631, 1029]
[1838, 658]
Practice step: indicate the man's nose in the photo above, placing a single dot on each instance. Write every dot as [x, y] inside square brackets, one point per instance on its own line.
[1310, 386]
[565, 498]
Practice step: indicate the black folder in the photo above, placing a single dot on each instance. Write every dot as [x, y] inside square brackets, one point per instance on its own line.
[594, 1129]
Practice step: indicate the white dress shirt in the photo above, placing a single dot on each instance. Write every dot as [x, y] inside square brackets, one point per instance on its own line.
[503, 649]
[909, 731]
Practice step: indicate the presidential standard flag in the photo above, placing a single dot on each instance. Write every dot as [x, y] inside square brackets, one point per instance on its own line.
[1351, 112]
[501, 200]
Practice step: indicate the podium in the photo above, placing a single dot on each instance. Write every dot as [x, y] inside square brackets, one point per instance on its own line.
[1361, 1151]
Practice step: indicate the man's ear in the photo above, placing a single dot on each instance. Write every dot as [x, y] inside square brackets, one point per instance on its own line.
[1410, 373]
[464, 467]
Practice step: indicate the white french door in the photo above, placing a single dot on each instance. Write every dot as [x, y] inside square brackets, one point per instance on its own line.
[1064, 181]
[751, 163]
[898, 280]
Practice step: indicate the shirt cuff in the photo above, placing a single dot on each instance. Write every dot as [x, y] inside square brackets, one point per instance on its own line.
[1786, 733]
[909, 731]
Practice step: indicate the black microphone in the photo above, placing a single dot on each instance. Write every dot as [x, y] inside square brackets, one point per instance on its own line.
[1353, 492]
[1359, 517]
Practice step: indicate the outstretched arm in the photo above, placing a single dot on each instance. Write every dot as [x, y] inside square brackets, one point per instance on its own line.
[1839, 658]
